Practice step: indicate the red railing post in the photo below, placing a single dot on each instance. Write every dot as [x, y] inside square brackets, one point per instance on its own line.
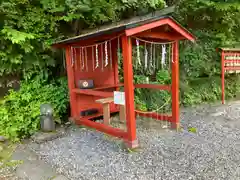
[129, 91]
[175, 87]
[223, 76]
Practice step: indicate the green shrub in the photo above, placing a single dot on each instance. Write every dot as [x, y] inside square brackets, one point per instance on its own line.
[20, 110]
[208, 89]
[152, 99]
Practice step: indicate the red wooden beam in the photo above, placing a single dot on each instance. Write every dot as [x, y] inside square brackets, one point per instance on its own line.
[88, 41]
[153, 86]
[175, 87]
[146, 27]
[102, 127]
[223, 75]
[231, 53]
[159, 35]
[232, 68]
[93, 92]
[108, 86]
[154, 115]
[180, 30]
[71, 84]
[231, 61]
[129, 91]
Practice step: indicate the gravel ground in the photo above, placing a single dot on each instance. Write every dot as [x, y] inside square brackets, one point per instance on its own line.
[7, 169]
[211, 153]
[8, 173]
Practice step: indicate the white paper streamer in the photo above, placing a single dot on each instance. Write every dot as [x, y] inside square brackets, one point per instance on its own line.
[138, 52]
[106, 54]
[72, 56]
[151, 55]
[110, 52]
[86, 58]
[83, 57]
[97, 60]
[163, 62]
[146, 56]
[93, 58]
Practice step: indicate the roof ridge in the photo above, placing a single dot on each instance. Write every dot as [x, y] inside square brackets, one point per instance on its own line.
[123, 23]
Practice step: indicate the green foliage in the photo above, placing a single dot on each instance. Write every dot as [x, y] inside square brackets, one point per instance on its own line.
[150, 99]
[29, 27]
[26, 31]
[20, 110]
[215, 24]
[208, 89]
[192, 130]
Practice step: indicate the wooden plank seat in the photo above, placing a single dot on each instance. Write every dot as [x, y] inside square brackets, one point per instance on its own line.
[106, 110]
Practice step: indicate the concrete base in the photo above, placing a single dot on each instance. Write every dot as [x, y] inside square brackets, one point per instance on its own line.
[176, 126]
[132, 144]
[41, 137]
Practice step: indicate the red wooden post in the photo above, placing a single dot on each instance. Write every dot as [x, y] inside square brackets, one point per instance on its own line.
[71, 83]
[223, 76]
[129, 91]
[175, 87]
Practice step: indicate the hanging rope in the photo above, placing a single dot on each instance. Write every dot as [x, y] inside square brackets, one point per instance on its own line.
[163, 55]
[83, 57]
[138, 52]
[146, 55]
[152, 42]
[86, 58]
[106, 53]
[64, 60]
[93, 58]
[101, 43]
[72, 59]
[172, 55]
[118, 51]
[97, 61]
[110, 52]
[151, 55]
[161, 107]
[102, 60]
[75, 57]
[154, 56]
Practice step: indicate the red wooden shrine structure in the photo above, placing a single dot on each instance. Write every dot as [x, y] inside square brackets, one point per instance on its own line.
[94, 56]
[230, 63]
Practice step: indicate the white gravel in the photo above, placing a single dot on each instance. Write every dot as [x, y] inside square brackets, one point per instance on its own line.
[212, 153]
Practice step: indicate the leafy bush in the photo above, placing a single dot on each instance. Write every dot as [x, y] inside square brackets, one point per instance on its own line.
[152, 99]
[208, 89]
[29, 27]
[20, 110]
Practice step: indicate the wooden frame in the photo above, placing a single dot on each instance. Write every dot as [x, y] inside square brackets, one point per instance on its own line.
[108, 81]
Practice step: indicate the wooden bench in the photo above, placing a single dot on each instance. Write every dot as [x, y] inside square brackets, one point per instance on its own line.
[106, 110]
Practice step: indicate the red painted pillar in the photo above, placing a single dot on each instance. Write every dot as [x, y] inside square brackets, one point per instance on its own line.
[175, 87]
[223, 77]
[71, 83]
[129, 91]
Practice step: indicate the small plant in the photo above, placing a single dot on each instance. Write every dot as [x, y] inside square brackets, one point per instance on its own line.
[192, 130]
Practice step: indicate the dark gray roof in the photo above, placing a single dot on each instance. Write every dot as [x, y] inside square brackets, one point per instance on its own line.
[120, 26]
[230, 48]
